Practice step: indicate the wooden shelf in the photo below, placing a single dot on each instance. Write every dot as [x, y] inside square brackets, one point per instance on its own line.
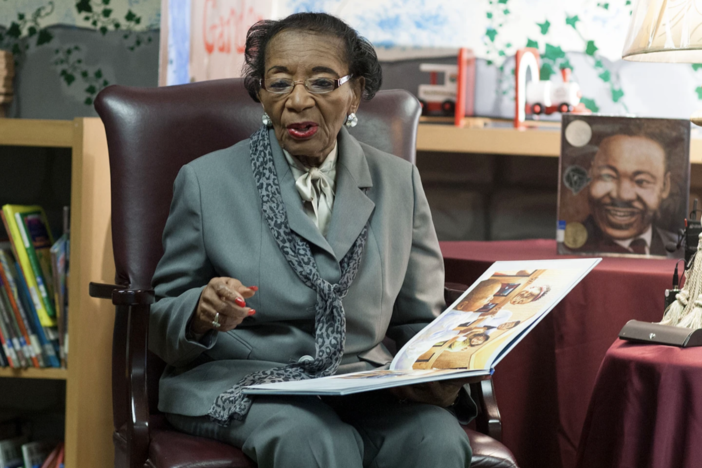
[27, 132]
[49, 373]
[88, 434]
[544, 141]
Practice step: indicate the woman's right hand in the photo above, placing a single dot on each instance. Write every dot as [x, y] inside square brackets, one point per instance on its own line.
[226, 296]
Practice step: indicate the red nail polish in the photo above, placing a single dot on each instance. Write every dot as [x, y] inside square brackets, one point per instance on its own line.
[252, 312]
[240, 302]
[253, 288]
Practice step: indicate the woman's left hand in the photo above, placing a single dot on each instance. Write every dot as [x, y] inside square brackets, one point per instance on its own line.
[441, 393]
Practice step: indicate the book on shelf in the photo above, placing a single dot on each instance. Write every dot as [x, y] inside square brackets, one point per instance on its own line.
[40, 337]
[35, 453]
[29, 264]
[470, 337]
[11, 452]
[27, 338]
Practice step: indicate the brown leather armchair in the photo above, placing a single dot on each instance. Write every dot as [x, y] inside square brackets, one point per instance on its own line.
[151, 133]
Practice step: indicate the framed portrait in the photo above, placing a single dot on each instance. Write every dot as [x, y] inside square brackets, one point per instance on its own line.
[624, 185]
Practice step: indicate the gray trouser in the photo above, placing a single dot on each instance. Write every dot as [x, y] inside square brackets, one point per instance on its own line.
[367, 430]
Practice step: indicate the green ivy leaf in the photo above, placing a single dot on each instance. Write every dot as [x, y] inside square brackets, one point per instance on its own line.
[138, 20]
[105, 83]
[84, 74]
[69, 78]
[14, 30]
[503, 2]
[106, 12]
[91, 89]
[506, 11]
[696, 66]
[565, 64]
[572, 20]
[544, 26]
[31, 31]
[553, 52]
[105, 2]
[88, 101]
[590, 104]
[628, 2]
[532, 43]
[94, 23]
[44, 37]
[501, 53]
[605, 76]
[591, 48]
[491, 33]
[20, 16]
[698, 90]
[598, 64]
[84, 6]
[603, 5]
[546, 71]
[103, 30]
[98, 73]
[117, 25]
[489, 62]
[130, 16]
[617, 94]
[489, 15]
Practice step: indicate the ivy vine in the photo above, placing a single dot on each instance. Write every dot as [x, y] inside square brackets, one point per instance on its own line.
[29, 25]
[71, 68]
[497, 15]
[99, 14]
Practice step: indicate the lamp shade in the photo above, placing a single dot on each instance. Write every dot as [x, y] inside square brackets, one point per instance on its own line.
[665, 31]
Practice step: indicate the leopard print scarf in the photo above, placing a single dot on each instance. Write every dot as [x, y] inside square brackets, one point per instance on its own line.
[330, 320]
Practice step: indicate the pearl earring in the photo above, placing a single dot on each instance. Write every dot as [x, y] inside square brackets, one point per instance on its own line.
[351, 120]
[266, 120]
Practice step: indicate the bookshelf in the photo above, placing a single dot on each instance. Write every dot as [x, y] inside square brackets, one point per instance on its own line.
[88, 429]
[501, 138]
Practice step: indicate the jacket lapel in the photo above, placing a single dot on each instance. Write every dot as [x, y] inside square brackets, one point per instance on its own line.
[352, 207]
[297, 218]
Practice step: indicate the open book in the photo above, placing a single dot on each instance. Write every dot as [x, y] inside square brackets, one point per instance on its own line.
[470, 337]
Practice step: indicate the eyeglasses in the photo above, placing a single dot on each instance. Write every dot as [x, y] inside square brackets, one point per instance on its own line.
[313, 85]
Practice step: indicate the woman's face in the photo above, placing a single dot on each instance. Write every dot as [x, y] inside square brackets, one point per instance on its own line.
[307, 124]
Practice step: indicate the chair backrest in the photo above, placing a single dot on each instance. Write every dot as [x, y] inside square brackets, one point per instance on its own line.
[153, 132]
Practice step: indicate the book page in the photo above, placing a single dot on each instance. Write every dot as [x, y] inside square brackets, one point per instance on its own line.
[492, 315]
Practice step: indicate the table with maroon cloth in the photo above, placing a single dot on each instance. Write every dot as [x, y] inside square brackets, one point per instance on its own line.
[645, 409]
[544, 385]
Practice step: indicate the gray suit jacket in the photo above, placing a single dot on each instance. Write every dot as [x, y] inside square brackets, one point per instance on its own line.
[216, 228]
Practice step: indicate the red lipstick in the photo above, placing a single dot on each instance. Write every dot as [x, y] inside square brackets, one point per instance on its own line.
[302, 130]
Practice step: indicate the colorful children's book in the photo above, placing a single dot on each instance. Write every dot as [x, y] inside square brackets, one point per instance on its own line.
[36, 453]
[10, 306]
[11, 332]
[47, 336]
[470, 337]
[37, 334]
[37, 289]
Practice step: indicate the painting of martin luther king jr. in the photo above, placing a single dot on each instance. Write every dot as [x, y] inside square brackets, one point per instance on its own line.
[624, 185]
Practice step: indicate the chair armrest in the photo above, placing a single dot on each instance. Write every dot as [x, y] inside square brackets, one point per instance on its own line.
[122, 295]
[488, 421]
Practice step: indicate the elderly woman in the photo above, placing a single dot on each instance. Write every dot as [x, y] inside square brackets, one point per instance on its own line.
[291, 255]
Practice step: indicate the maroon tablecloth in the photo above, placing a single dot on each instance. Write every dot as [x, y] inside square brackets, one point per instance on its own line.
[646, 409]
[544, 385]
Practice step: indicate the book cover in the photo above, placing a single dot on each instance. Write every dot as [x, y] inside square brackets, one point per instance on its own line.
[623, 185]
[38, 294]
[39, 242]
[470, 337]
